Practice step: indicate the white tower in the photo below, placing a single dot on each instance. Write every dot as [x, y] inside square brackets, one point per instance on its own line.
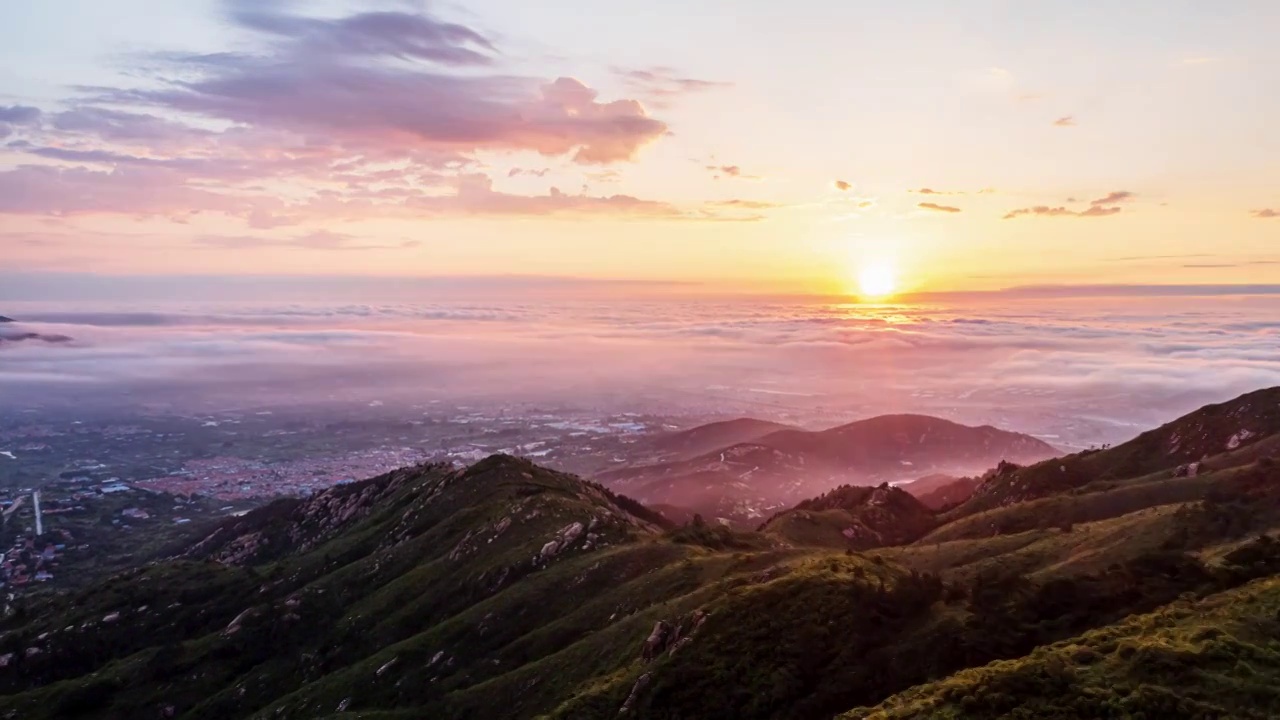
[35, 498]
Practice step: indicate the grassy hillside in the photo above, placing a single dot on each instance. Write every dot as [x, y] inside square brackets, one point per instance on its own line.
[508, 590]
[1215, 658]
[1228, 431]
[855, 518]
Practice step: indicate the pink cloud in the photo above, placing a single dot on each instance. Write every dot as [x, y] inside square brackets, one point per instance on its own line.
[349, 79]
[661, 84]
[937, 208]
[334, 119]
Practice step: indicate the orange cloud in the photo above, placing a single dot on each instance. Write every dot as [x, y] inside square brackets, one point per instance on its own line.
[1065, 121]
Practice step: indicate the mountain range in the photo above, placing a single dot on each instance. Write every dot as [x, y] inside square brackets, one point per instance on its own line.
[1141, 581]
[744, 470]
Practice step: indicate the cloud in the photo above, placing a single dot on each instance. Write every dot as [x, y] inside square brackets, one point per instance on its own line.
[748, 204]
[1265, 213]
[1101, 207]
[937, 208]
[317, 240]
[732, 171]
[402, 35]
[1132, 258]
[931, 191]
[1065, 121]
[660, 84]
[330, 118]
[513, 172]
[842, 185]
[1113, 197]
[604, 176]
[1046, 211]
[14, 116]
[62, 191]
[1002, 362]
[19, 114]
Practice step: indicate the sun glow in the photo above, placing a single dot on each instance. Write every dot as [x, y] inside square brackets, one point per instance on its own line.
[876, 281]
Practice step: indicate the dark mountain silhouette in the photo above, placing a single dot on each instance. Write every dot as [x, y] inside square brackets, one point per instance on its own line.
[12, 336]
[4, 319]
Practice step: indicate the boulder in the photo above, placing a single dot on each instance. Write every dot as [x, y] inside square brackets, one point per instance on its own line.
[641, 682]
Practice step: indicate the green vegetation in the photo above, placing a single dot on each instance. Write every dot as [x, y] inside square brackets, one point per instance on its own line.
[1216, 658]
[507, 590]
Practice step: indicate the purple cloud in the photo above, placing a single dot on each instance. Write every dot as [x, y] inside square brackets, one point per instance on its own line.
[403, 35]
[661, 84]
[377, 113]
[19, 115]
[378, 80]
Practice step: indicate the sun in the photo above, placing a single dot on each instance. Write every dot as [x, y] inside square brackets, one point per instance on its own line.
[876, 281]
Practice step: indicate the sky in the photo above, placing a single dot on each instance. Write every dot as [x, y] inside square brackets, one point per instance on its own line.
[767, 146]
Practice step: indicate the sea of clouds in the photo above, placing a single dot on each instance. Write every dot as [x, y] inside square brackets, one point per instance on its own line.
[1131, 360]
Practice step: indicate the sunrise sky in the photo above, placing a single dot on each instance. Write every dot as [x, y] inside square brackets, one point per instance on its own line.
[763, 145]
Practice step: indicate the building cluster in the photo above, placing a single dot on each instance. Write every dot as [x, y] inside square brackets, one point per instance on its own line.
[234, 478]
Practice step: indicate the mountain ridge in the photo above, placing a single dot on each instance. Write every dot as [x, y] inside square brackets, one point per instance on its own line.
[748, 481]
[506, 589]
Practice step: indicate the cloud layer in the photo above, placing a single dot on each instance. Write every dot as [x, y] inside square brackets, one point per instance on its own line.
[989, 360]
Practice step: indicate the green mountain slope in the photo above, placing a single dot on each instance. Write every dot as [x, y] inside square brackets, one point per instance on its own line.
[509, 590]
[856, 518]
[1216, 658]
[1239, 430]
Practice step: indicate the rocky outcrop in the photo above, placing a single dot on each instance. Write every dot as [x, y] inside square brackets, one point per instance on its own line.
[656, 642]
[298, 525]
[669, 637]
[641, 682]
[563, 539]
